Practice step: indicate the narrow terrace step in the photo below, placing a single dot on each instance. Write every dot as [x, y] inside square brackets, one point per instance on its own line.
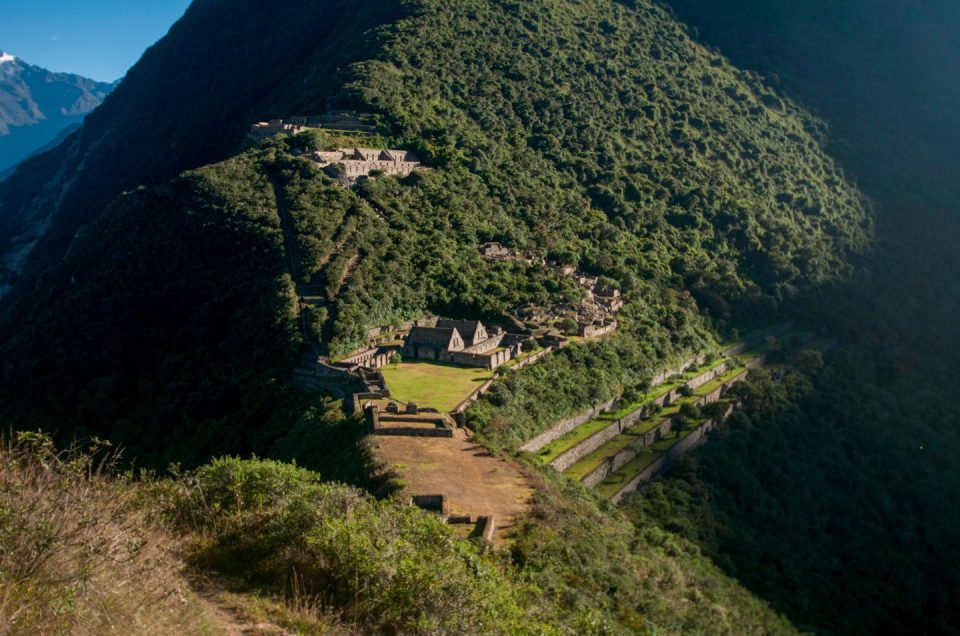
[595, 466]
[585, 439]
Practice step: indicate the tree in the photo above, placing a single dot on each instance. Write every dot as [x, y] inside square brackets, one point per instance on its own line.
[677, 424]
[690, 411]
[714, 409]
[809, 360]
[568, 326]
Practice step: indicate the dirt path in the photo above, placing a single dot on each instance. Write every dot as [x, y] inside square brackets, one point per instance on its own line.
[228, 619]
[472, 480]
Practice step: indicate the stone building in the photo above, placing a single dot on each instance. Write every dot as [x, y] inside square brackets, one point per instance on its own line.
[432, 343]
[465, 342]
[495, 250]
[358, 163]
[264, 129]
[472, 331]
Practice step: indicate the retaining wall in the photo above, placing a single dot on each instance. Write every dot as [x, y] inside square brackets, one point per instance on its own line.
[359, 397]
[709, 375]
[690, 442]
[441, 428]
[532, 359]
[572, 455]
[476, 395]
[659, 432]
[563, 427]
[601, 437]
[325, 370]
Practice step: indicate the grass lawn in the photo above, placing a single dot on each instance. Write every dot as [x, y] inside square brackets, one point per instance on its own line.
[431, 384]
[562, 444]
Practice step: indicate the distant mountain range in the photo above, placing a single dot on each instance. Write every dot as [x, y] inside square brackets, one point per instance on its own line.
[38, 107]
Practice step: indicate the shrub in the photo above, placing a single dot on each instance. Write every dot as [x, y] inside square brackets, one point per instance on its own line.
[388, 566]
[78, 554]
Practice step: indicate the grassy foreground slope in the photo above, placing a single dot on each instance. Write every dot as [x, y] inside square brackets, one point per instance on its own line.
[88, 551]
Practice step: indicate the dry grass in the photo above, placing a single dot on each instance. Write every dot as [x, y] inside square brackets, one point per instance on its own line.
[79, 556]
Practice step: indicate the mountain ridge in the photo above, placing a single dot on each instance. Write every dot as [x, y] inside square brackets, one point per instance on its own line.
[37, 105]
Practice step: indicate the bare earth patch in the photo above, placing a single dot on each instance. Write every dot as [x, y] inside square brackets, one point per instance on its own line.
[472, 480]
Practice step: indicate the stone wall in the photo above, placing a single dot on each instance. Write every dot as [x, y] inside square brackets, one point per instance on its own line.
[571, 456]
[441, 429]
[709, 375]
[690, 442]
[595, 331]
[648, 473]
[435, 503]
[373, 357]
[486, 345]
[719, 392]
[533, 359]
[615, 463]
[325, 370]
[482, 360]
[657, 433]
[476, 395]
[669, 373]
[598, 439]
[359, 398]
[563, 427]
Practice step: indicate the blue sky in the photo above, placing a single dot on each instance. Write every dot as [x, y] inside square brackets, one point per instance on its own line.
[100, 39]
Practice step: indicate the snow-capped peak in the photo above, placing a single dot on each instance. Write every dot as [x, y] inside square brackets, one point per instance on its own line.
[6, 57]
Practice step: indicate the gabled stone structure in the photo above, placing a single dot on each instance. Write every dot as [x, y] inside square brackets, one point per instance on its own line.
[465, 342]
[358, 163]
[432, 343]
[472, 331]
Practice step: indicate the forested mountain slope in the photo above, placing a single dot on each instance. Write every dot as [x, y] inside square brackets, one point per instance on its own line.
[164, 317]
[690, 181]
[884, 74]
[835, 499]
[186, 103]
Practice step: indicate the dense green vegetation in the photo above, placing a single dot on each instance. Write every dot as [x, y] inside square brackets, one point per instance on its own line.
[316, 557]
[388, 567]
[882, 73]
[591, 132]
[834, 497]
[667, 186]
[171, 332]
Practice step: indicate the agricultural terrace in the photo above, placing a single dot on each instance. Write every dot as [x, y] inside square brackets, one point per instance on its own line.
[561, 445]
[633, 435]
[433, 384]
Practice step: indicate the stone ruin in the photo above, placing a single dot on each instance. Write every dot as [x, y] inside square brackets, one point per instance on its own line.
[356, 164]
[346, 120]
[465, 342]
